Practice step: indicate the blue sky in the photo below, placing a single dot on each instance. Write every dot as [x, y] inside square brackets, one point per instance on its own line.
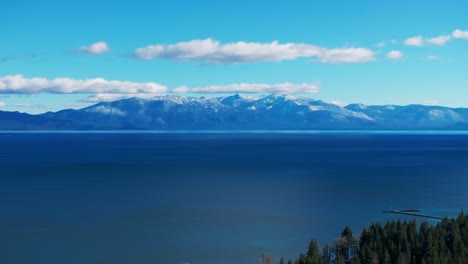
[371, 52]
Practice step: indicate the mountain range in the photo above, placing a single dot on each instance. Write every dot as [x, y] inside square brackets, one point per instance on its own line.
[236, 112]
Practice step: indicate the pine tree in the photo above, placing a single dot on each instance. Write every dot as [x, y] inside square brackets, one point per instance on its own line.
[340, 260]
[397, 242]
[386, 258]
[355, 260]
[302, 259]
[348, 234]
[313, 254]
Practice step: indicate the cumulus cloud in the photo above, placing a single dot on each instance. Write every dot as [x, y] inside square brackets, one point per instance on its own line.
[2, 104]
[414, 41]
[441, 40]
[213, 52]
[460, 34]
[419, 41]
[345, 55]
[287, 88]
[97, 48]
[395, 55]
[17, 84]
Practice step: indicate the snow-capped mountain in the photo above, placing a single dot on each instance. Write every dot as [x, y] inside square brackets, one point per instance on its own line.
[242, 113]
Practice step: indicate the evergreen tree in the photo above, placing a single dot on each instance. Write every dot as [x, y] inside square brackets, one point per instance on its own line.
[313, 254]
[302, 259]
[355, 260]
[281, 261]
[340, 260]
[386, 258]
[397, 242]
[348, 234]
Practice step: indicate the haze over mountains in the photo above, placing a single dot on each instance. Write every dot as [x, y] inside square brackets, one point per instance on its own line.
[236, 112]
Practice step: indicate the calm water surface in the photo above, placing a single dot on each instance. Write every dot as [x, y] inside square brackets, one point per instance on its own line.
[212, 198]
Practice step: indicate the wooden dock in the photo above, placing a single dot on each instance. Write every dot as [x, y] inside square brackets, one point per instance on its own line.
[412, 212]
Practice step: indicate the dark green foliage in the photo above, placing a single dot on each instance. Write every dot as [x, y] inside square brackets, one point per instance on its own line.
[313, 254]
[397, 242]
[347, 233]
[302, 259]
[355, 260]
[401, 243]
[340, 260]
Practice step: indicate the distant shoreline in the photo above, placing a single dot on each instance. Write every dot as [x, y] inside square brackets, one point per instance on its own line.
[311, 132]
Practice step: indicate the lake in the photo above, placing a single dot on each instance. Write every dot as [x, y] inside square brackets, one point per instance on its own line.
[213, 198]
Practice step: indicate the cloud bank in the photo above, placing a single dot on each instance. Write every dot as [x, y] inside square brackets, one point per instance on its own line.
[287, 88]
[104, 90]
[254, 88]
[97, 48]
[113, 97]
[17, 84]
[211, 51]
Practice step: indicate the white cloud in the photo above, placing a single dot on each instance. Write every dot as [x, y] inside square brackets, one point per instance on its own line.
[113, 97]
[17, 84]
[433, 57]
[213, 52]
[346, 55]
[284, 88]
[97, 48]
[287, 88]
[419, 41]
[2, 104]
[441, 40]
[395, 55]
[459, 34]
[414, 41]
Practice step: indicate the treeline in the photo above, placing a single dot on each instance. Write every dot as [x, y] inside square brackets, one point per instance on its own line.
[396, 242]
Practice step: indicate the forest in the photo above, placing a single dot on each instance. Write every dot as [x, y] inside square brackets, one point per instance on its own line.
[395, 242]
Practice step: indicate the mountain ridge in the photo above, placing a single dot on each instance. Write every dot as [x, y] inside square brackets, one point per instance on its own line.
[239, 112]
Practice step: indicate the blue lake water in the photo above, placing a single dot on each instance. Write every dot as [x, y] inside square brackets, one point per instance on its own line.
[213, 198]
